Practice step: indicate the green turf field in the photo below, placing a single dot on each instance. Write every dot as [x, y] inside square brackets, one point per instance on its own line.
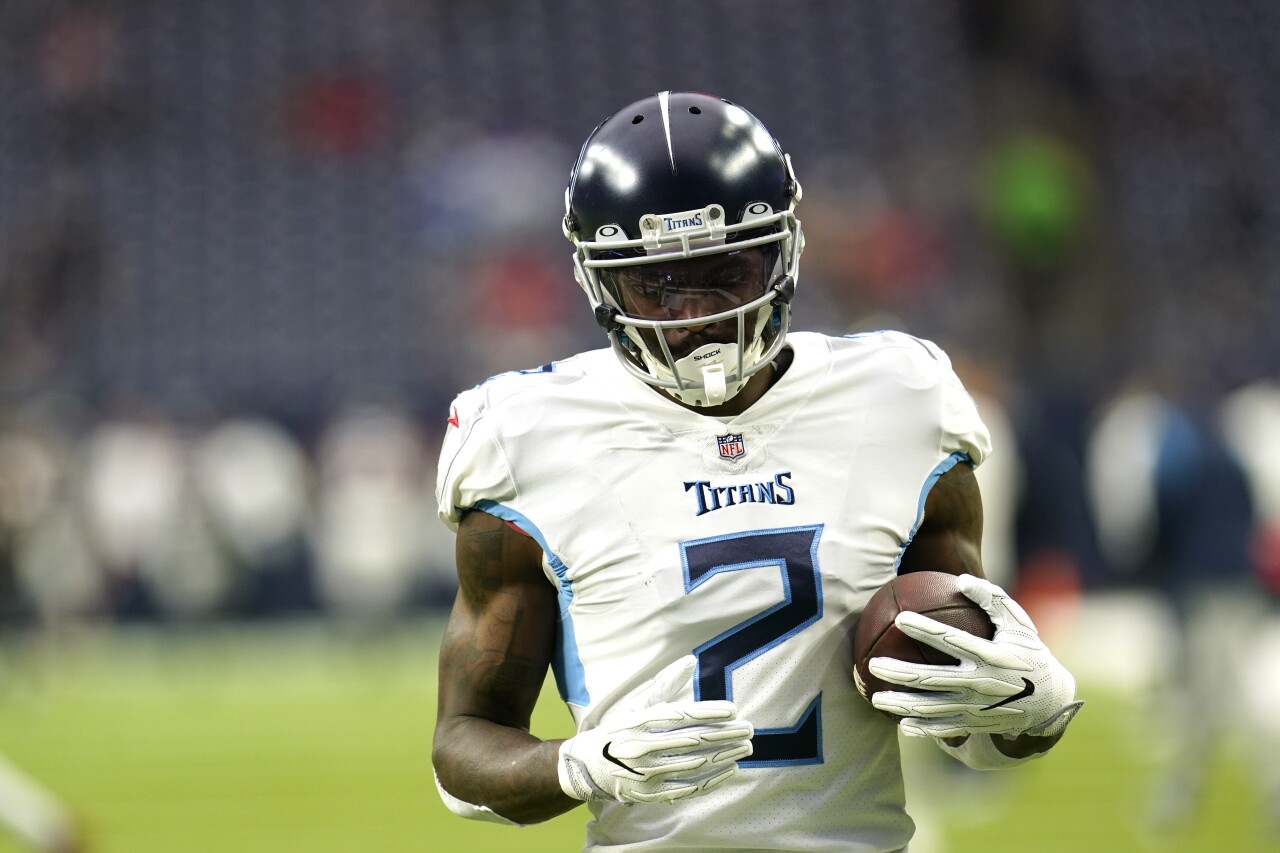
[309, 738]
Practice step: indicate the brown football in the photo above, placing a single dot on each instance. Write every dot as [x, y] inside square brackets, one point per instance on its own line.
[932, 594]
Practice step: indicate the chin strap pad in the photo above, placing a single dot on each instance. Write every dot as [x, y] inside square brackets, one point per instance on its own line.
[713, 383]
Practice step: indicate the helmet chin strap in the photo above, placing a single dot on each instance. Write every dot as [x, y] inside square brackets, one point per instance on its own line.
[707, 363]
[713, 383]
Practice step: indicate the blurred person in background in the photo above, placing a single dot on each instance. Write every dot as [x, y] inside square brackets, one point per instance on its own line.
[33, 491]
[52, 571]
[1200, 556]
[685, 526]
[369, 538]
[254, 481]
[49, 286]
[1176, 514]
[1250, 421]
[134, 494]
[63, 260]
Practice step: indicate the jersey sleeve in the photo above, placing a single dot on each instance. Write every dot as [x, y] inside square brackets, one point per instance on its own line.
[473, 466]
[963, 430]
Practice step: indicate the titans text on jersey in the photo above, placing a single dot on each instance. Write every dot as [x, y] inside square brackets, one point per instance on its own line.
[711, 497]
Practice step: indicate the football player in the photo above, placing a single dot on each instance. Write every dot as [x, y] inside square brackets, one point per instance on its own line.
[686, 524]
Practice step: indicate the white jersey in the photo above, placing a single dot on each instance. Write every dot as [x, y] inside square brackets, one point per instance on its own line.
[751, 541]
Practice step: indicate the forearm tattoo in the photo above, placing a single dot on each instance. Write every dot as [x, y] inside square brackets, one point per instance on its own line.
[499, 647]
[494, 658]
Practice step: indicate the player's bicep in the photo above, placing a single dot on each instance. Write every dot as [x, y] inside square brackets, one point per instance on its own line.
[498, 643]
[950, 535]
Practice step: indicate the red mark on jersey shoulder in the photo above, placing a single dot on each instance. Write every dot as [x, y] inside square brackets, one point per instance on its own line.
[453, 417]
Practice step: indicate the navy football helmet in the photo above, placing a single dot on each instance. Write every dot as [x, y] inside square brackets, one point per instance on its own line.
[681, 210]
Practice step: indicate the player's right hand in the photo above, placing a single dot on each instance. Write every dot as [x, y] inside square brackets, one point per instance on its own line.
[659, 748]
[1009, 685]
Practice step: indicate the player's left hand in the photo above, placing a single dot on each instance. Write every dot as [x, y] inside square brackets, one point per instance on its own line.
[1008, 685]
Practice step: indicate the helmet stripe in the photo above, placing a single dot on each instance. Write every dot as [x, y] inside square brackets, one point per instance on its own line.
[663, 101]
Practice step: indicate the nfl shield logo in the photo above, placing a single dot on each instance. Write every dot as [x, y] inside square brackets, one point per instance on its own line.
[730, 445]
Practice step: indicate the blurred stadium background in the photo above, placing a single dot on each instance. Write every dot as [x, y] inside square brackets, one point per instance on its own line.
[250, 248]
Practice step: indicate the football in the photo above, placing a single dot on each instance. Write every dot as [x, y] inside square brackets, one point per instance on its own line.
[932, 594]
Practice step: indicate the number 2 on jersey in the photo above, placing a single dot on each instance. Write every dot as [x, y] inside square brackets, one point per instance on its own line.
[793, 552]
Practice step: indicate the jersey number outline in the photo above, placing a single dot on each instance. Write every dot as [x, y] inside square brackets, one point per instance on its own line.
[793, 551]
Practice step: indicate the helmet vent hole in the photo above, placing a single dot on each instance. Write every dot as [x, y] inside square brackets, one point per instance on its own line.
[696, 110]
[637, 119]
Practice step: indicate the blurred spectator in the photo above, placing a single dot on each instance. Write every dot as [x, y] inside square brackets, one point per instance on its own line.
[254, 480]
[374, 509]
[58, 266]
[484, 190]
[43, 549]
[1174, 508]
[188, 574]
[134, 493]
[1250, 423]
[879, 245]
[78, 67]
[490, 279]
[1041, 198]
[344, 113]
[1121, 461]
[518, 308]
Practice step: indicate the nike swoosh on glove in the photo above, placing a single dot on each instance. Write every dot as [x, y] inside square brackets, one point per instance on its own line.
[658, 748]
[1008, 685]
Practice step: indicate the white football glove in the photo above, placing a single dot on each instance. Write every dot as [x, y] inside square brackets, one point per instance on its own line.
[1008, 685]
[657, 749]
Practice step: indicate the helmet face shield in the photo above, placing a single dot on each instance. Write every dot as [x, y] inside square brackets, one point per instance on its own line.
[689, 289]
[681, 210]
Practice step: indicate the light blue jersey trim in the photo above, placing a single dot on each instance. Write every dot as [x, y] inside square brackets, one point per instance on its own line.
[943, 467]
[566, 663]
